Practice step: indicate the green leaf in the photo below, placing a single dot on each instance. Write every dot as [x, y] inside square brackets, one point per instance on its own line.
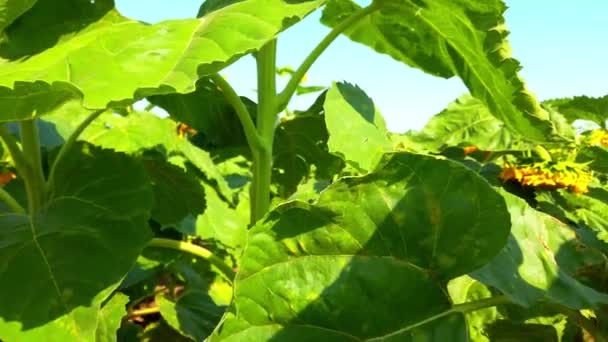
[81, 322]
[176, 193]
[528, 268]
[589, 210]
[467, 122]
[132, 59]
[505, 330]
[160, 331]
[357, 131]
[301, 152]
[137, 132]
[194, 314]
[446, 38]
[110, 318]
[492, 324]
[303, 90]
[345, 268]
[141, 131]
[597, 156]
[582, 108]
[27, 99]
[466, 289]
[223, 223]
[209, 6]
[207, 111]
[13, 9]
[77, 248]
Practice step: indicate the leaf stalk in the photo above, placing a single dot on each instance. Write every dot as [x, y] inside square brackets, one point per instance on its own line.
[251, 134]
[69, 143]
[11, 202]
[195, 250]
[285, 96]
[143, 312]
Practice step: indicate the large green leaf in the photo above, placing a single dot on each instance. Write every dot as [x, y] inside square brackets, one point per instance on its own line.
[223, 223]
[57, 266]
[357, 131]
[111, 317]
[466, 289]
[142, 130]
[137, 132]
[589, 210]
[176, 193]
[529, 269]
[467, 122]
[345, 268]
[582, 108]
[81, 324]
[12, 9]
[132, 59]
[445, 38]
[596, 156]
[207, 111]
[301, 152]
[193, 314]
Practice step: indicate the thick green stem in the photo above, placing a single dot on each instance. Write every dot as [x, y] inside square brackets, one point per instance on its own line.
[30, 141]
[459, 308]
[68, 145]
[11, 202]
[196, 250]
[266, 118]
[251, 134]
[287, 93]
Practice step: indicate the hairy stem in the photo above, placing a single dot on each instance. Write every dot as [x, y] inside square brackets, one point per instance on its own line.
[266, 117]
[287, 93]
[253, 139]
[34, 182]
[65, 148]
[196, 250]
[459, 308]
[11, 202]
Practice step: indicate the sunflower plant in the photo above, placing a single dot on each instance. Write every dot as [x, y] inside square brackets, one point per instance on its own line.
[240, 219]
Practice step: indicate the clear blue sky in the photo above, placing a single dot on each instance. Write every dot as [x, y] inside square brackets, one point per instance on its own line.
[562, 45]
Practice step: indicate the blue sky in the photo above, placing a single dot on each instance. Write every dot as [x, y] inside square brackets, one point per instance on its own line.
[562, 45]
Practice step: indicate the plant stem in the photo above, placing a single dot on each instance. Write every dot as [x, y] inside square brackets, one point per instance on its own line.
[68, 145]
[30, 141]
[16, 153]
[11, 202]
[253, 139]
[266, 117]
[197, 251]
[144, 312]
[580, 320]
[292, 85]
[459, 308]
